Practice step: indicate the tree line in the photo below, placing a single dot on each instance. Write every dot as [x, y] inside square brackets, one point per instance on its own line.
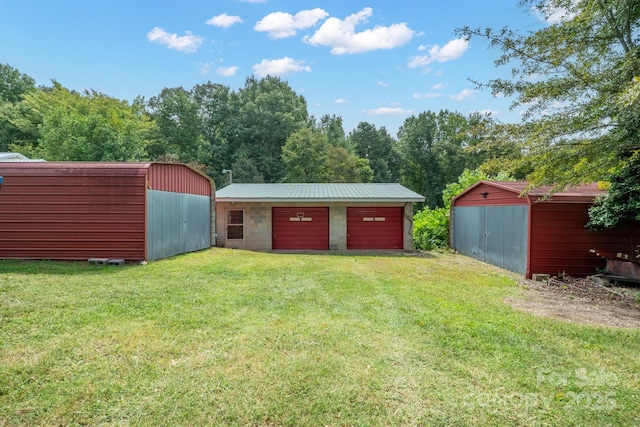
[262, 132]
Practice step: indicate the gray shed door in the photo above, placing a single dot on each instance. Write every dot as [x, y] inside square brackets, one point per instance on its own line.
[493, 234]
[177, 223]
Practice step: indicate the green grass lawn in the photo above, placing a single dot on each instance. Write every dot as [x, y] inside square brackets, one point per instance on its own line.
[225, 337]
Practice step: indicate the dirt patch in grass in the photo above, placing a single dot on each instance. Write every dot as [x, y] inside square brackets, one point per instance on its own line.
[581, 301]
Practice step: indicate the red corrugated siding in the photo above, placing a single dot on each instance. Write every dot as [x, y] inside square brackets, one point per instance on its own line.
[289, 234]
[72, 211]
[376, 234]
[559, 241]
[178, 178]
[495, 197]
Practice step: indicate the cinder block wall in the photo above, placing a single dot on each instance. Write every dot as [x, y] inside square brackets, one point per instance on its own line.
[408, 227]
[258, 231]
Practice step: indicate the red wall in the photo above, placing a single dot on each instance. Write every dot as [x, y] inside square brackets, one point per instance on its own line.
[177, 178]
[495, 196]
[60, 211]
[559, 241]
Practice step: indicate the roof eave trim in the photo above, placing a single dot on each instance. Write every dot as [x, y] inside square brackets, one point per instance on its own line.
[304, 200]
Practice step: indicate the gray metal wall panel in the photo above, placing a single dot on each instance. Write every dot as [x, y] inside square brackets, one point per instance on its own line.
[493, 234]
[468, 233]
[177, 223]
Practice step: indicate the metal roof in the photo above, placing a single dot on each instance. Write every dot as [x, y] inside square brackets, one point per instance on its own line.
[16, 157]
[585, 193]
[584, 190]
[317, 193]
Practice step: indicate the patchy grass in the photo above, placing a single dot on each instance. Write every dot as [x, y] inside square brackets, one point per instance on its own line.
[225, 337]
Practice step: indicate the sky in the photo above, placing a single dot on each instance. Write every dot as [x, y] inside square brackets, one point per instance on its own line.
[363, 60]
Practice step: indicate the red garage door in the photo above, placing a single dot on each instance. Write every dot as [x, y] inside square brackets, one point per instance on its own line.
[300, 228]
[374, 228]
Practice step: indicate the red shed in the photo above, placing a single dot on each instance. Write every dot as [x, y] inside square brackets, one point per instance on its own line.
[531, 234]
[78, 211]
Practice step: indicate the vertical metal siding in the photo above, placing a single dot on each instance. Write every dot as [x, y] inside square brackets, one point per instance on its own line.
[493, 234]
[177, 178]
[54, 211]
[506, 237]
[560, 243]
[177, 223]
[468, 233]
[365, 231]
[288, 234]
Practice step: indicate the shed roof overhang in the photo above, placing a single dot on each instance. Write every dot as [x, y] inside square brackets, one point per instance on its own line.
[317, 193]
[585, 193]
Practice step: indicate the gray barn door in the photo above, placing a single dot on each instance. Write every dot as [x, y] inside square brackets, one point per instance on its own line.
[493, 234]
[177, 223]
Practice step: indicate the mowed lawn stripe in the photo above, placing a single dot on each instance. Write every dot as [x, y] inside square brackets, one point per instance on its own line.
[227, 337]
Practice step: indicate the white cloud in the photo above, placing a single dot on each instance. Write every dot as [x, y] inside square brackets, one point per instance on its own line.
[279, 67]
[224, 20]
[439, 86]
[226, 71]
[425, 95]
[341, 101]
[388, 111]
[341, 36]
[454, 49]
[187, 43]
[205, 67]
[383, 84]
[280, 25]
[464, 94]
[553, 15]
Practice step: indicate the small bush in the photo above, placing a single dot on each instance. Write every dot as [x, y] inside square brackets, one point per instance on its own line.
[431, 229]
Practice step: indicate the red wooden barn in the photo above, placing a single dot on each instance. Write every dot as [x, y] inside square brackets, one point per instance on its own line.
[127, 211]
[532, 234]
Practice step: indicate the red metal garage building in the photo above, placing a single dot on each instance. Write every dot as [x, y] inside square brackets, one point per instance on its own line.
[77, 210]
[315, 216]
[531, 234]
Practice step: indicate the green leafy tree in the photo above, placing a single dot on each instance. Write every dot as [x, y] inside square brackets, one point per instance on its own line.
[14, 84]
[309, 157]
[245, 171]
[305, 156]
[436, 147]
[176, 115]
[269, 111]
[577, 77]
[376, 146]
[217, 107]
[14, 129]
[622, 200]
[58, 124]
[344, 166]
[332, 127]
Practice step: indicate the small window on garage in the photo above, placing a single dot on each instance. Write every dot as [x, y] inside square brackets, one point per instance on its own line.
[235, 224]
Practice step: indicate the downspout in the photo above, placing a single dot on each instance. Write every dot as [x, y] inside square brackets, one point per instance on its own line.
[529, 230]
[147, 185]
[212, 207]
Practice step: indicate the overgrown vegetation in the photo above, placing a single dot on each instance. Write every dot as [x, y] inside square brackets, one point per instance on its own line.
[227, 337]
[431, 226]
